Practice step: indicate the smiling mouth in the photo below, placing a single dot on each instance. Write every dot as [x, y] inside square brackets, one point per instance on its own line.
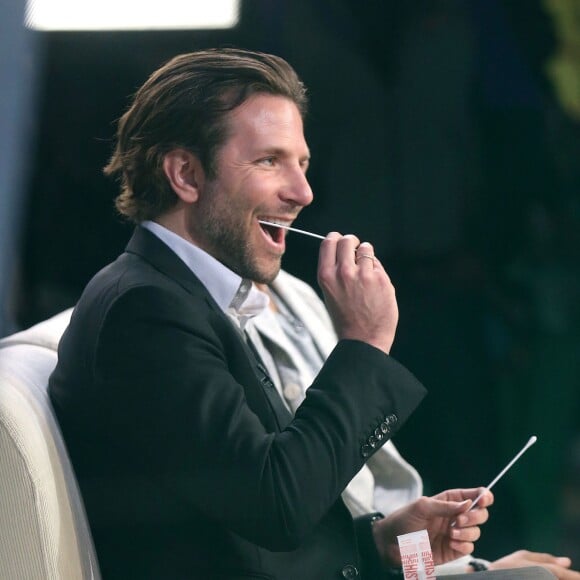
[276, 234]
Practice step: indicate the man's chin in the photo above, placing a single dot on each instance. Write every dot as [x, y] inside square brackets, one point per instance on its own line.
[267, 274]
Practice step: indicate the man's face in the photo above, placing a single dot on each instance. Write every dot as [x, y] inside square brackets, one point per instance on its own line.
[260, 174]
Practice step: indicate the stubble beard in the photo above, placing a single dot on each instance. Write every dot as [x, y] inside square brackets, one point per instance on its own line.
[234, 250]
[227, 239]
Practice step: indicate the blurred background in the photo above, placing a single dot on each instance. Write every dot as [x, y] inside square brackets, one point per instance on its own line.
[447, 132]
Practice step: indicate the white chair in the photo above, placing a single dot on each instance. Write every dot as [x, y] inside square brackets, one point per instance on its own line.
[44, 534]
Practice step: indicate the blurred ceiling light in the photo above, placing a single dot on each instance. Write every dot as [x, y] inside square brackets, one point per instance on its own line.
[130, 14]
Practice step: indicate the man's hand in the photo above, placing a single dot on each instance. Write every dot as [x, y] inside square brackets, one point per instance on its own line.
[358, 292]
[436, 515]
[559, 566]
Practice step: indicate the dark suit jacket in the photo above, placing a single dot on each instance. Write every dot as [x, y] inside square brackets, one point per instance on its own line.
[188, 463]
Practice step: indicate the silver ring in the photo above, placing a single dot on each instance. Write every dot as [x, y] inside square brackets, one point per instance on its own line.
[368, 256]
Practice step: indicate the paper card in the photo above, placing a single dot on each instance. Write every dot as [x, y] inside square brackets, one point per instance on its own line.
[416, 556]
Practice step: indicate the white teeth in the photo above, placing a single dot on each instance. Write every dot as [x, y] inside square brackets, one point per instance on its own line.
[275, 223]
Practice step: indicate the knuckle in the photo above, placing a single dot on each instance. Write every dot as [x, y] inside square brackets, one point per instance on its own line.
[324, 276]
[423, 502]
[345, 272]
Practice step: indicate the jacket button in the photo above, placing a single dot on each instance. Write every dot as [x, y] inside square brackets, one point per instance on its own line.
[366, 450]
[350, 571]
[384, 427]
[379, 434]
[292, 391]
[372, 440]
[391, 419]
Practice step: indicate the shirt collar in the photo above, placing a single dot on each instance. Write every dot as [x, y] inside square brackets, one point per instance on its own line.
[247, 302]
[235, 295]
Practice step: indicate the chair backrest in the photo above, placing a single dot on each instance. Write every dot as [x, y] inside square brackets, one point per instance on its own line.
[44, 533]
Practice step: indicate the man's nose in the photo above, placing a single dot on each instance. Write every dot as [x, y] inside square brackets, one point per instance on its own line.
[297, 189]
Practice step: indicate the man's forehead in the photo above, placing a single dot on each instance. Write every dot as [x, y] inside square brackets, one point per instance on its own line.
[266, 117]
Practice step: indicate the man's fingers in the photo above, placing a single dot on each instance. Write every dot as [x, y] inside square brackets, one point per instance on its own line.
[472, 493]
[327, 252]
[360, 298]
[476, 516]
[346, 249]
[471, 534]
[544, 558]
[463, 548]
[365, 256]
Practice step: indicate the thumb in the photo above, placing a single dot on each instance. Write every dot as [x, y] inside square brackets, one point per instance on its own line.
[445, 508]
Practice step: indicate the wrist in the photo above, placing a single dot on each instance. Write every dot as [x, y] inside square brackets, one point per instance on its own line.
[387, 546]
[370, 555]
[477, 565]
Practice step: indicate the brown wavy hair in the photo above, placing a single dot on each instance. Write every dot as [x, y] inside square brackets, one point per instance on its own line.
[184, 104]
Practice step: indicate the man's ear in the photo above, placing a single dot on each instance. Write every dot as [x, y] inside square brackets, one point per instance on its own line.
[184, 173]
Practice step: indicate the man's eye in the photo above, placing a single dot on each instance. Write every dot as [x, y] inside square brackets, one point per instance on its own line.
[268, 161]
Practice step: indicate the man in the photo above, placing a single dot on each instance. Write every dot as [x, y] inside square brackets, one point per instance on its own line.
[294, 334]
[189, 464]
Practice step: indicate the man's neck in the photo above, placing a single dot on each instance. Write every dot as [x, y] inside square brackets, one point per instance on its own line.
[266, 289]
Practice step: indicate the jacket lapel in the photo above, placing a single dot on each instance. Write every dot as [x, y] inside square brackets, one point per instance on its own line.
[150, 248]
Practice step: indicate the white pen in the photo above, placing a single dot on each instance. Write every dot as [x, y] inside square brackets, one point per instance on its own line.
[530, 442]
[292, 229]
